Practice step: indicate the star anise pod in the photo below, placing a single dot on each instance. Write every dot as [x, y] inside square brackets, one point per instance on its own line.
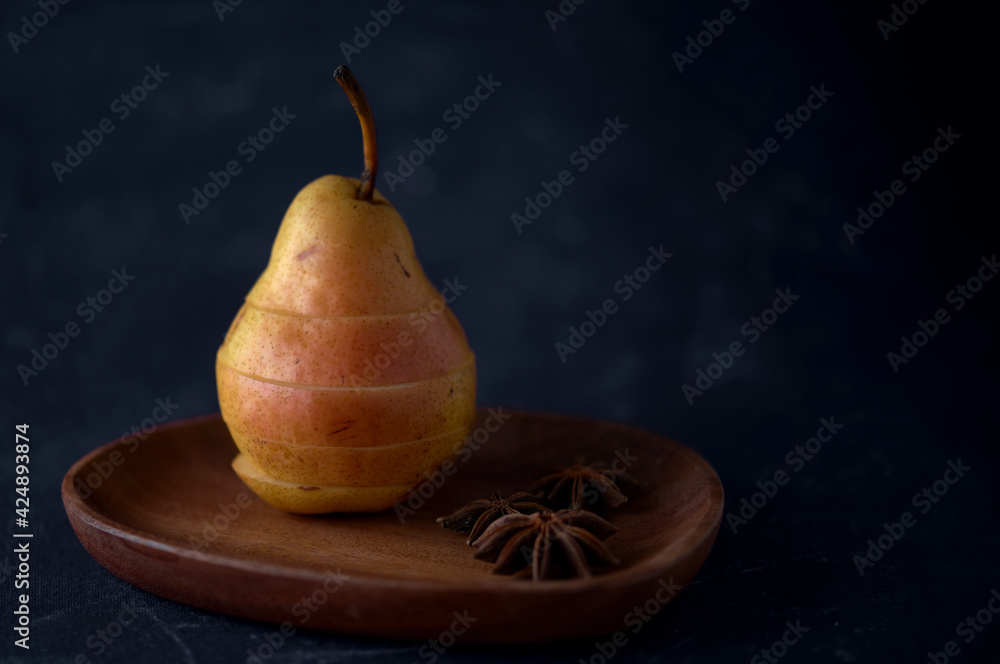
[581, 484]
[477, 515]
[550, 544]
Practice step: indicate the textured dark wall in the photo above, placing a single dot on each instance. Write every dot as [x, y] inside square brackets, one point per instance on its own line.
[655, 185]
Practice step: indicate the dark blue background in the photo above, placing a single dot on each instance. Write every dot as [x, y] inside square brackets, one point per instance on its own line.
[654, 185]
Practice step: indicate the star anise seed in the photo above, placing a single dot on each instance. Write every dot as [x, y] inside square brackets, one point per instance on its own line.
[580, 484]
[480, 513]
[550, 544]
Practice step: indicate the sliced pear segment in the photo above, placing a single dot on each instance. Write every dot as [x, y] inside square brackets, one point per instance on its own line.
[304, 498]
[348, 417]
[329, 237]
[402, 463]
[356, 351]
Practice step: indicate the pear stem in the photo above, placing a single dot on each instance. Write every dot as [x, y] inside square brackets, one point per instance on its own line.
[345, 77]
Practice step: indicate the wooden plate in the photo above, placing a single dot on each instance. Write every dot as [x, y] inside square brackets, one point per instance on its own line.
[168, 515]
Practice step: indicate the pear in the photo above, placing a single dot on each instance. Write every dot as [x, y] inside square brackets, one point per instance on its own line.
[344, 378]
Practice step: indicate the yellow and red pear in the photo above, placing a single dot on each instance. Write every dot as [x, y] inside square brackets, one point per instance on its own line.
[344, 378]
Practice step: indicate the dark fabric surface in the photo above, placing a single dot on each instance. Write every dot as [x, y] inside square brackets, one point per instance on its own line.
[654, 185]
